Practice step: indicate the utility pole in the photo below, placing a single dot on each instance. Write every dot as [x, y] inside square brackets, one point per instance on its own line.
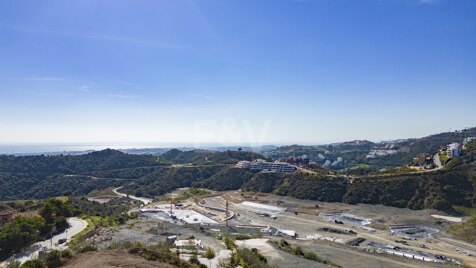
[51, 237]
[171, 205]
[226, 213]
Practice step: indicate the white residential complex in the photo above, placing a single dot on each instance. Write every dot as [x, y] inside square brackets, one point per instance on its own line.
[263, 166]
[452, 150]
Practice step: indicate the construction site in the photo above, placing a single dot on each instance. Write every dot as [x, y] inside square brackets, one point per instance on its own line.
[370, 234]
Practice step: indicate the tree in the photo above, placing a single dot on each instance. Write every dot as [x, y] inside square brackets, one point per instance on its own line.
[20, 232]
[13, 263]
[55, 210]
[225, 263]
[209, 254]
[34, 264]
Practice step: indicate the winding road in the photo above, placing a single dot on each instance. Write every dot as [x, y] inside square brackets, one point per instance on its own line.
[31, 252]
[144, 200]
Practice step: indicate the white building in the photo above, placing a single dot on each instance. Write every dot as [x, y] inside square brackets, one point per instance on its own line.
[468, 140]
[288, 233]
[270, 167]
[452, 150]
[243, 164]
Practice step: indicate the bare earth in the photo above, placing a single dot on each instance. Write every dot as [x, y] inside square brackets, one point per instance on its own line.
[111, 259]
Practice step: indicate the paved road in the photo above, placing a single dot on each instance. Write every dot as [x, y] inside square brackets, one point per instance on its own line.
[144, 200]
[437, 161]
[31, 252]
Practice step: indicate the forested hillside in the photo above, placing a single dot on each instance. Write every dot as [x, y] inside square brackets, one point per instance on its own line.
[206, 157]
[28, 177]
[166, 179]
[24, 177]
[74, 164]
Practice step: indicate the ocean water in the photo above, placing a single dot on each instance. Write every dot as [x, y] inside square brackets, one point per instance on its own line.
[53, 149]
[58, 148]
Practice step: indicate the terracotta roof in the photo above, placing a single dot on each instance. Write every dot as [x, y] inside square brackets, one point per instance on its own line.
[6, 212]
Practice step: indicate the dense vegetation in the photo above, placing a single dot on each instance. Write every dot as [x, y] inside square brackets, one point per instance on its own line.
[149, 176]
[25, 177]
[26, 230]
[164, 180]
[74, 164]
[206, 157]
[112, 213]
[23, 231]
[226, 179]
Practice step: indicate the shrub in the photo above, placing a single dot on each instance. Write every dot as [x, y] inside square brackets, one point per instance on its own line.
[52, 259]
[87, 248]
[66, 254]
[311, 256]
[194, 260]
[242, 237]
[33, 264]
[12, 263]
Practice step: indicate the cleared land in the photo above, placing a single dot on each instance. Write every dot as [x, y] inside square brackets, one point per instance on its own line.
[111, 259]
[320, 235]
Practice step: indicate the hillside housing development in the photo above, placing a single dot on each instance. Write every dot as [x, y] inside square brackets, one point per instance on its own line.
[267, 167]
[452, 150]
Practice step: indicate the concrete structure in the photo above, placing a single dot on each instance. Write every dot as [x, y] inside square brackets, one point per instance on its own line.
[409, 253]
[412, 232]
[183, 215]
[286, 233]
[346, 218]
[452, 150]
[6, 214]
[262, 208]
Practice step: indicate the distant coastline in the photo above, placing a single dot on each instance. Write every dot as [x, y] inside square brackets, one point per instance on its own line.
[78, 149]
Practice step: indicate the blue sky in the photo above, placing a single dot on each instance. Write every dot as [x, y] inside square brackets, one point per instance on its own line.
[235, 71]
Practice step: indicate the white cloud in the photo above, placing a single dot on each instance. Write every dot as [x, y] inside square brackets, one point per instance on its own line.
[198, 112]
[120, 96]
[200, 96]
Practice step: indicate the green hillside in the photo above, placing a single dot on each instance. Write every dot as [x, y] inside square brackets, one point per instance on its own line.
[204, 157]
[28, 177]
[25, 177]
